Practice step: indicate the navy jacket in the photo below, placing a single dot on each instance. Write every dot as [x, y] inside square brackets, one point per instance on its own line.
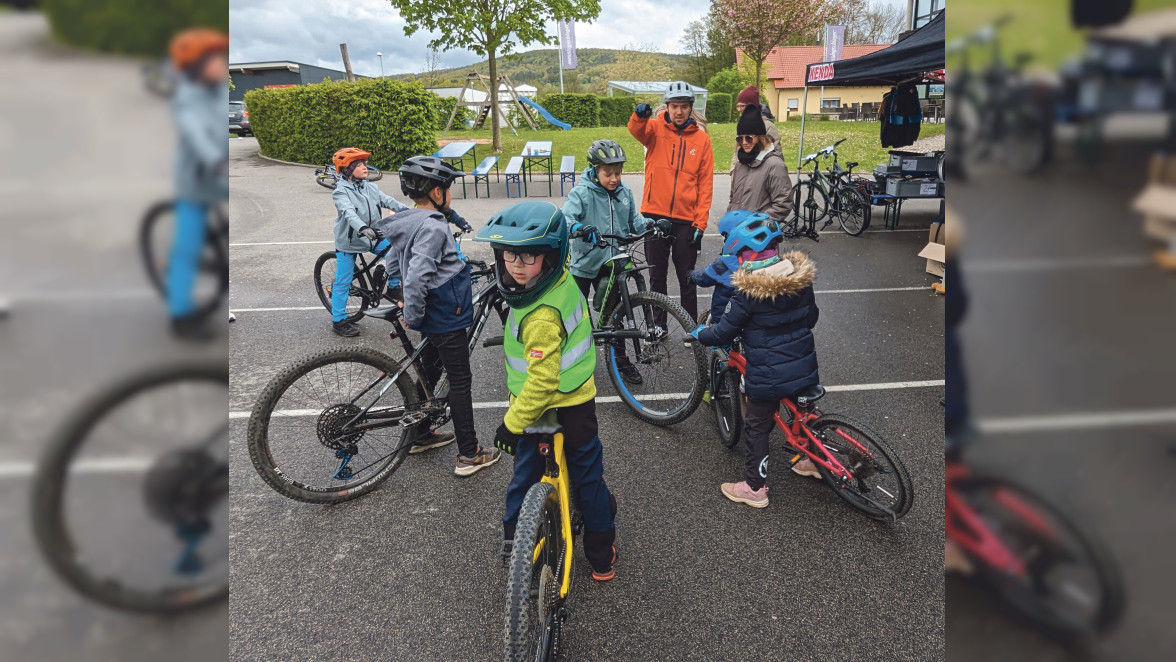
[717, 274]
[774, 310]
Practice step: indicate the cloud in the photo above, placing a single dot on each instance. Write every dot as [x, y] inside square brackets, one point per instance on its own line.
[310, 32]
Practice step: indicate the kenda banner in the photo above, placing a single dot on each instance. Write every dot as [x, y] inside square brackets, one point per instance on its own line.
[567, 45]
[820, 72]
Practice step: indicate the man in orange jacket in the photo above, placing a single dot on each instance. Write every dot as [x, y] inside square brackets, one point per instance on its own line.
[679, 167]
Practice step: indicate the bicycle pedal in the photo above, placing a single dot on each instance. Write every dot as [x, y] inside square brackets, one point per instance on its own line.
[409, 420]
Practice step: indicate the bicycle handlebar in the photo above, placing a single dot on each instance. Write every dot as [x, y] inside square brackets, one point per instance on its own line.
[621, 239]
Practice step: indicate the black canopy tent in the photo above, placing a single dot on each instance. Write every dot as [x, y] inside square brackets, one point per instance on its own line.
[920, 52]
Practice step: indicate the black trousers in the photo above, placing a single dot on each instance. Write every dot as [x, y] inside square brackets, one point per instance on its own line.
[449, 350]
[680, 244]
[758, 425]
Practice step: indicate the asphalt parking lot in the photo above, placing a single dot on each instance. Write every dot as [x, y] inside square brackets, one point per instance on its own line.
[410, 571]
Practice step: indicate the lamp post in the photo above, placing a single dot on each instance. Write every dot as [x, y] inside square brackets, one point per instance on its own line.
[381, 56]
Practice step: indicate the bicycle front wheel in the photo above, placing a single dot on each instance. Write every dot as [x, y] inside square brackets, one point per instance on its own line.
[853, 210]
[879, 482]
[727, 400]
[809, 202]
[1071, 586]
[129, 502]
[659, 377]
[326, 179]
[156, 236]
[324, 282]
[303, 437]
[533, 605]
[374, 174]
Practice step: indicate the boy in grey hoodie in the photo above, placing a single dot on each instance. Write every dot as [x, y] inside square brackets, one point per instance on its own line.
[437, 299]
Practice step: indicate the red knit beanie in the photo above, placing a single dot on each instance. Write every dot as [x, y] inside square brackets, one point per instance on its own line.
[749, 95]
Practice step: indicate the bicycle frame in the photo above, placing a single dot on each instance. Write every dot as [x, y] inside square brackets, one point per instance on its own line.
[553, 451]
[967, 529]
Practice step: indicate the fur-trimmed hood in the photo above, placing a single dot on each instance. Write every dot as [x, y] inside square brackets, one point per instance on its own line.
[789, 277]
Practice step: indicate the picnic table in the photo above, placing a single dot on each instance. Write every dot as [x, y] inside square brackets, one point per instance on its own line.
[454, 154]
[537, 154]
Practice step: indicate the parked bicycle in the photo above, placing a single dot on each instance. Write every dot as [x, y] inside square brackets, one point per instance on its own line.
[855, 462]
[998, 112]
[837, 195]
[155, 244]
[541, 563]
[129, 502]
[328, 177]
[1031, 555]
[336, 424]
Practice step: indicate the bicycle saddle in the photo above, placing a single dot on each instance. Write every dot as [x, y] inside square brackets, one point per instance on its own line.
[547, 425]
[809, 394]
[387, 313]
[851, 164]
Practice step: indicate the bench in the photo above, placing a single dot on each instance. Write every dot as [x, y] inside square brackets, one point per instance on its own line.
[513, 172]
[482, 173]
[567, 172]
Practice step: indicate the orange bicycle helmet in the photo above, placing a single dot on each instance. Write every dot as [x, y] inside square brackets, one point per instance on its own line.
[190, 46]
[348, 155]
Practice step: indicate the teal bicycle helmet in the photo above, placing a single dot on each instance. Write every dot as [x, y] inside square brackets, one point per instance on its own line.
[527, 227]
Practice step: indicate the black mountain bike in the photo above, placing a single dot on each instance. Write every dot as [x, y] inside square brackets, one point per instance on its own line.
[155, 243]
[130, 499]
[835, 195]
[328, 177]
[337, 423]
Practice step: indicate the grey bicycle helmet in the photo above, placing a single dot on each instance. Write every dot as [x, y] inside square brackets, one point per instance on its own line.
[421, 174]
[605, 152]
[679, 91]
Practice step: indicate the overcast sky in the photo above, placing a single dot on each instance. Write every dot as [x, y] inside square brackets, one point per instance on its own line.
[310, 32]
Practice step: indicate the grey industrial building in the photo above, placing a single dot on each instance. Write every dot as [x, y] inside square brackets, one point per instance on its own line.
[258, 75]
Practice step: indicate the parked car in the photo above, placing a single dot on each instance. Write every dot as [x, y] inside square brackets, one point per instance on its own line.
[239, 119]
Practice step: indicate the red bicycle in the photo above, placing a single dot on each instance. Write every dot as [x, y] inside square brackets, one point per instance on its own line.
[1031, 555]
[855, 462]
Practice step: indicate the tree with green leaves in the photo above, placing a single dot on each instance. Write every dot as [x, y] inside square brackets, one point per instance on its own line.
[490, 27]
[758, 26]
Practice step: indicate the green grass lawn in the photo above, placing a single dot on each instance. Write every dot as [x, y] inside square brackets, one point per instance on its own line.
[1040, 27]
[862, 144]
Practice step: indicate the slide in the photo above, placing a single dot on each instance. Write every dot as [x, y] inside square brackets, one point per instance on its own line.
[546, 115]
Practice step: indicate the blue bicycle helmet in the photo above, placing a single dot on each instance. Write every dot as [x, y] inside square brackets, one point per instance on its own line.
[527, 227]
[734, 218]
[756, 233]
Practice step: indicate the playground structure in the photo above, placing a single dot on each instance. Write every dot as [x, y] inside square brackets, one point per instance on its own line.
[475, 81]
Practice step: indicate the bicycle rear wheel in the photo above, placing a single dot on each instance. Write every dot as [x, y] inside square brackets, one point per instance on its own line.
[326, 177]
[155, 244]
[672, 373]
[1072, 585]
[324, 281]
[726, 400]
[534, 609]
[297, 435]
[374, 174]
[879, 479]
[129, 502]
[853, 210]
[809, 202]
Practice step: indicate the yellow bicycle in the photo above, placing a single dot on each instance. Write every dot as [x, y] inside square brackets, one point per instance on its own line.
[540, 578]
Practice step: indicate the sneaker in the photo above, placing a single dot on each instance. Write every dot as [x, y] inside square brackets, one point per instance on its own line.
[345, 329]
[432, 439]
[806, 468]
[630, 375]
[955, 560]
[483, 458]
[507, 549]
[741, 493]
[607, 574]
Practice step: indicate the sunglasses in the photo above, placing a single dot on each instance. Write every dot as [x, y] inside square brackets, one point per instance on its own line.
[526, 258]
[746, 139]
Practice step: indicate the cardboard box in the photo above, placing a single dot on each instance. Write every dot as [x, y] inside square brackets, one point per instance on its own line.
[1158, 205]
[936, 255]
[936, 235]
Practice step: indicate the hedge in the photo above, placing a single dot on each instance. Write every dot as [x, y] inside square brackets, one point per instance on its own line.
[138, 27]
[579, 110]
[616, 111]
[390, 119]
[443, 106]
[718, 107]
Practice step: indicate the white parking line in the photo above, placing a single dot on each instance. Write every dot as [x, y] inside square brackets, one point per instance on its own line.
[280, 243]
[709, 236]
[1055, 264]
[614, 399]
[84, 296]
[920, 288]
[1078, 421]
[111, 465]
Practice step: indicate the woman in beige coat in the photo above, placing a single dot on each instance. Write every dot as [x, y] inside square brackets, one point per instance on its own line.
[760, 181]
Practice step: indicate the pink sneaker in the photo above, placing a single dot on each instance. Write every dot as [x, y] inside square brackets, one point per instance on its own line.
[806, 468]
[741, 493]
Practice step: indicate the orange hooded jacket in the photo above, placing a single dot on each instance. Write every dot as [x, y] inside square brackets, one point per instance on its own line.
[679, 169]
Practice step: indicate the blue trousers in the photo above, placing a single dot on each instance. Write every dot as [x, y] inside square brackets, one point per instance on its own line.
[184, 260]
[344, 272]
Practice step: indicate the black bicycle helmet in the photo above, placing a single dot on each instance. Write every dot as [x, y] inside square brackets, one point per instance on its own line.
[421, 174]
[605, 152]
